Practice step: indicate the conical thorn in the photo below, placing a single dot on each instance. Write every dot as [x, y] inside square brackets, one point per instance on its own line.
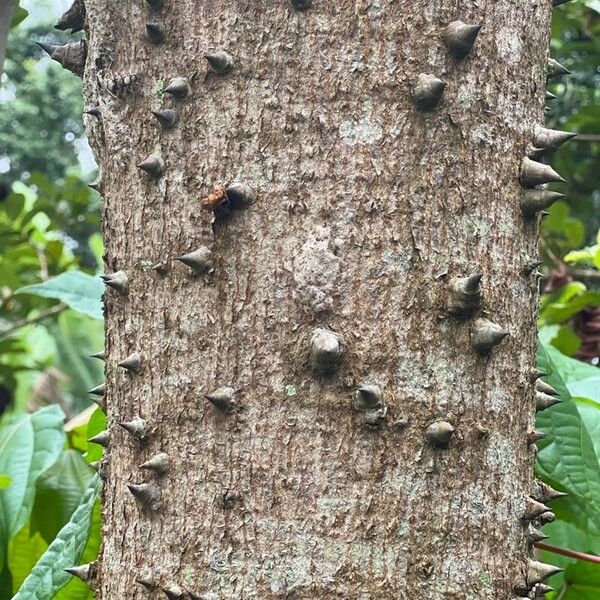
[102, 439]
[485, 335]
[222, 398]
[427, 91]
[326, 351]
[159, 463]
[83, 572]
[439, 433]
[136, 428]
[368, 397]
[460, 37]
[178, 87]
[535, 173]
[200, 261]
[132, 363]
[220, 62]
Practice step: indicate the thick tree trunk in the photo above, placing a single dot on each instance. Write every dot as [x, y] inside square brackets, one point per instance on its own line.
[367, 208]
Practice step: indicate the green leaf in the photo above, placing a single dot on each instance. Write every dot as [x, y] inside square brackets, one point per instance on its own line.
[567, 457]
[58, 493]
[24, 551]
[48, 575]
[97, 423]
[78, 290]
[28, 446]
[566, 340]
[76, 589]
[19, 14]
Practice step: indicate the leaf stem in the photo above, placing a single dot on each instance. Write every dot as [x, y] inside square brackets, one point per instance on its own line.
[567, 552]
[49, 312]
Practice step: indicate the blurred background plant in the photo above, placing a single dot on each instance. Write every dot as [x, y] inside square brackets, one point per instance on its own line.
[51, 315]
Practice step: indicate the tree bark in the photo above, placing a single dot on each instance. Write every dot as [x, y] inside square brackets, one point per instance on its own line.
[367, 208]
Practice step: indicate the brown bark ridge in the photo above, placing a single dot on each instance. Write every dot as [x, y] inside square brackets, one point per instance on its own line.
[354, 443]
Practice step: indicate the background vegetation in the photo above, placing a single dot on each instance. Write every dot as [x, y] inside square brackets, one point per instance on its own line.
[51, 318]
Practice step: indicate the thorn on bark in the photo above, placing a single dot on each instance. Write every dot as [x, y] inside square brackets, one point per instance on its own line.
[70, 56]
[155, 32]
[535, 173]
[240, 195]
[83, 572]
[439, 434]
[200, 261]
[99, 390]
[98, 355]
[544, 401]
[542, 386]
[117, 281]
[541, 589]
[145, 493]
[178, 87]
[132, 363]
[460, 37]
[102, 439]
[535, 535]
[326, 351]
[73, 18]
[94, 111]
[147, 582]
[368, 397]
[551, 138]
[427, 91]
[220, 62]
[465, 295]
[485, 335]
[539, 571]
[153, 165]
[166, 118]
[537, 373]
[136, 428]
[545, 493]
[555, 69]
[222, 398]
[535, 436]
[547, 517]
[533, 509]
[159, 464]
[533, 201]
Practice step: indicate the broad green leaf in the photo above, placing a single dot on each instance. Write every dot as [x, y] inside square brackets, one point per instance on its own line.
[77, 336]
[58, 493]
[28, 446]
[24, 550]
[78, 290]
[76, 589]
[567, 456]
[48, 575]
[587, 388]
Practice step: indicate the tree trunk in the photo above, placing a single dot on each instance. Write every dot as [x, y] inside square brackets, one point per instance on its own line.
[370, 203]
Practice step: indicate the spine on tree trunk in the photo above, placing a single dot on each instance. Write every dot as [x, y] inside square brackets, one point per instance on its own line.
[320, 224]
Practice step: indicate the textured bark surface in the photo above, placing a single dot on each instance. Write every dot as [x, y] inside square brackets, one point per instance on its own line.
[366, 208]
